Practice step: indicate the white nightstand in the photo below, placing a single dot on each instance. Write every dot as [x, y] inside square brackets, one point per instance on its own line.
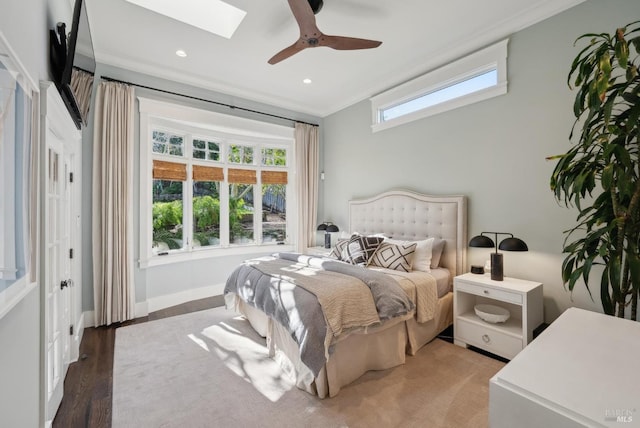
[318, 251]
[522, 298]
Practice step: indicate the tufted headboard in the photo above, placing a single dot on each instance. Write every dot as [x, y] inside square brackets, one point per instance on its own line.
[402, 214]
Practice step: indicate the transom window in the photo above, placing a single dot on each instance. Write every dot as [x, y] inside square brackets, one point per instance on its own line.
[471, 79]
[204, 149]
[209, 191]
[167, 143]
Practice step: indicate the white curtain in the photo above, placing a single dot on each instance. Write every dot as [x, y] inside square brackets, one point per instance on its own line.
[113, 258]
[81, 84]
[307, 162]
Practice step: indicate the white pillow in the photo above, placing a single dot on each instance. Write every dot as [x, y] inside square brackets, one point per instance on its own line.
[422, 254]
[436, 252]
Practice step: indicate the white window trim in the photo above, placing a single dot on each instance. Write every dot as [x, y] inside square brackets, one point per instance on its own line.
[7, 176]
[492, 57]
[194, 121]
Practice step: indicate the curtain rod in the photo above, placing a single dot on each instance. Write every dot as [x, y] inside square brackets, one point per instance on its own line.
[111, 79]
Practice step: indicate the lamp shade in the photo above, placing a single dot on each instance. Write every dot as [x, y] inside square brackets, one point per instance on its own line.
[513, 244]
[481, 241]
[322, 226]
[332, 228]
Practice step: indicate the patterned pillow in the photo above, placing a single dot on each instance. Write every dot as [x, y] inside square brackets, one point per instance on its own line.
[422, 257]
[394, 256]
[338, 249]
[360, 249]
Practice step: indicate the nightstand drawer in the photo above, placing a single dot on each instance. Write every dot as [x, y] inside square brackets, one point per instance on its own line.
[492, 293]
[496, 342]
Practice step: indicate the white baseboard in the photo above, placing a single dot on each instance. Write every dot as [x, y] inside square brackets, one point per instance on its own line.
[161, 302]
[89, 319]
[76, 339]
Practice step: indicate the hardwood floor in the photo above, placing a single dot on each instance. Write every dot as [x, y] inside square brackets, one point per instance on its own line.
[88, 387]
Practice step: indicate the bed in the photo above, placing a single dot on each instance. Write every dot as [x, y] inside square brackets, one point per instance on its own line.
[399, 215]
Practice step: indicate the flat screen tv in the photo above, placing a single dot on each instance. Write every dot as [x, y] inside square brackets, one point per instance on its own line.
[70, 55]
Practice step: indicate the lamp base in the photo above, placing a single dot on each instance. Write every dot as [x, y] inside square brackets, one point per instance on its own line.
[327, 240]
[496, 267]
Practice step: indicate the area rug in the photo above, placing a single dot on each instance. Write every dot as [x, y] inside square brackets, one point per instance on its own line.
[210, 369]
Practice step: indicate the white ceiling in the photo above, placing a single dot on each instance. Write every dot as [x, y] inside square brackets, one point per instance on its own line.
[417, 36]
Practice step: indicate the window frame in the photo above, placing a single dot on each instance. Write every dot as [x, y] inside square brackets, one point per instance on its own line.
[226, 130]
[490, 58]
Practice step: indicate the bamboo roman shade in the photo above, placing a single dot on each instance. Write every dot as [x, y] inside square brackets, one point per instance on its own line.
[274, 177]
[242, 176]
[207, 173]
[163, 170]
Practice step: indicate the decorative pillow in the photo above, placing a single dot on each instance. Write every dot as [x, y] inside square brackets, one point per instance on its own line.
[394, 256]
[436, 252]
[338, 249]
[422, 255]
[360, 249]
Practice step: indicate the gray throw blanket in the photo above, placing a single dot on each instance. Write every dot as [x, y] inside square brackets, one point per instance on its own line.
[275, 285]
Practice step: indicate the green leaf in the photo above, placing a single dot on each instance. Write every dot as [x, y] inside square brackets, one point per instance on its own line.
[578, 105]
[607, 177]
[567, 268]
[602, 84]
[605, 297]
[614, 276]
[622, 52]
[574, 277]
[631, 98]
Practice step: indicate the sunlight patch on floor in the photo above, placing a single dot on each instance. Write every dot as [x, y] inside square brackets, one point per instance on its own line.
[249, 360]
[201, 343]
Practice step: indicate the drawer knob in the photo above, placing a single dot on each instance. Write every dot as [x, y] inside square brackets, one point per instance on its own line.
[486, 338]
[486, 291]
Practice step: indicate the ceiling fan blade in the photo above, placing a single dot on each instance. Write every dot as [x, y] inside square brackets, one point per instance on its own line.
[287, 52]
[303, 14]
[348, 43]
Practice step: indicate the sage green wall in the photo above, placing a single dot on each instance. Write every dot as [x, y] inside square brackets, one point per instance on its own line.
[493, 151]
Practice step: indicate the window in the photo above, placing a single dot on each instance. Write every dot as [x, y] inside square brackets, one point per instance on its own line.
[208, 188]
[468, 80]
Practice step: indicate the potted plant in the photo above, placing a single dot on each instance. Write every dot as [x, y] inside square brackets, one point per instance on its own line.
[600, 174]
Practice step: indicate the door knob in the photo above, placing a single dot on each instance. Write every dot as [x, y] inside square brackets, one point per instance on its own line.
[64, 284]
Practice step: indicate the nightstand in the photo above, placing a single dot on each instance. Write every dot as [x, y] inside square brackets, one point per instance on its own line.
[318, 251]
[522, 298]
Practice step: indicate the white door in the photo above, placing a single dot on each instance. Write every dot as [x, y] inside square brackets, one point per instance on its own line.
[60, 149]
[56, 296]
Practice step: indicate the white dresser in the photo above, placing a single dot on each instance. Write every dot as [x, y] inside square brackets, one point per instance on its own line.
[581, 371]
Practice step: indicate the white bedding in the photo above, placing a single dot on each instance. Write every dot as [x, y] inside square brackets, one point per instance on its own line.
[406, 216]
[443, 280]
[441, 275]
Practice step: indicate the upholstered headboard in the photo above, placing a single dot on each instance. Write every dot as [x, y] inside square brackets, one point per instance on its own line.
[406, 215]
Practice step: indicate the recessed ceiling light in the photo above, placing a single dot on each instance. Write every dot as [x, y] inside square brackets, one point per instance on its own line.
[307, 81]
[181, 53]
[214, 16]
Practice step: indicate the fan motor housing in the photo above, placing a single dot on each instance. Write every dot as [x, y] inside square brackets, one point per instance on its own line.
[316, 5]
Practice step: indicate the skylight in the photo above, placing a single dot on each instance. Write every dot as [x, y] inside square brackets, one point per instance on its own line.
[214, 16]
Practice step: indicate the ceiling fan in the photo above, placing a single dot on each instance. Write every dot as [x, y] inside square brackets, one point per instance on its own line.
[311, 37]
